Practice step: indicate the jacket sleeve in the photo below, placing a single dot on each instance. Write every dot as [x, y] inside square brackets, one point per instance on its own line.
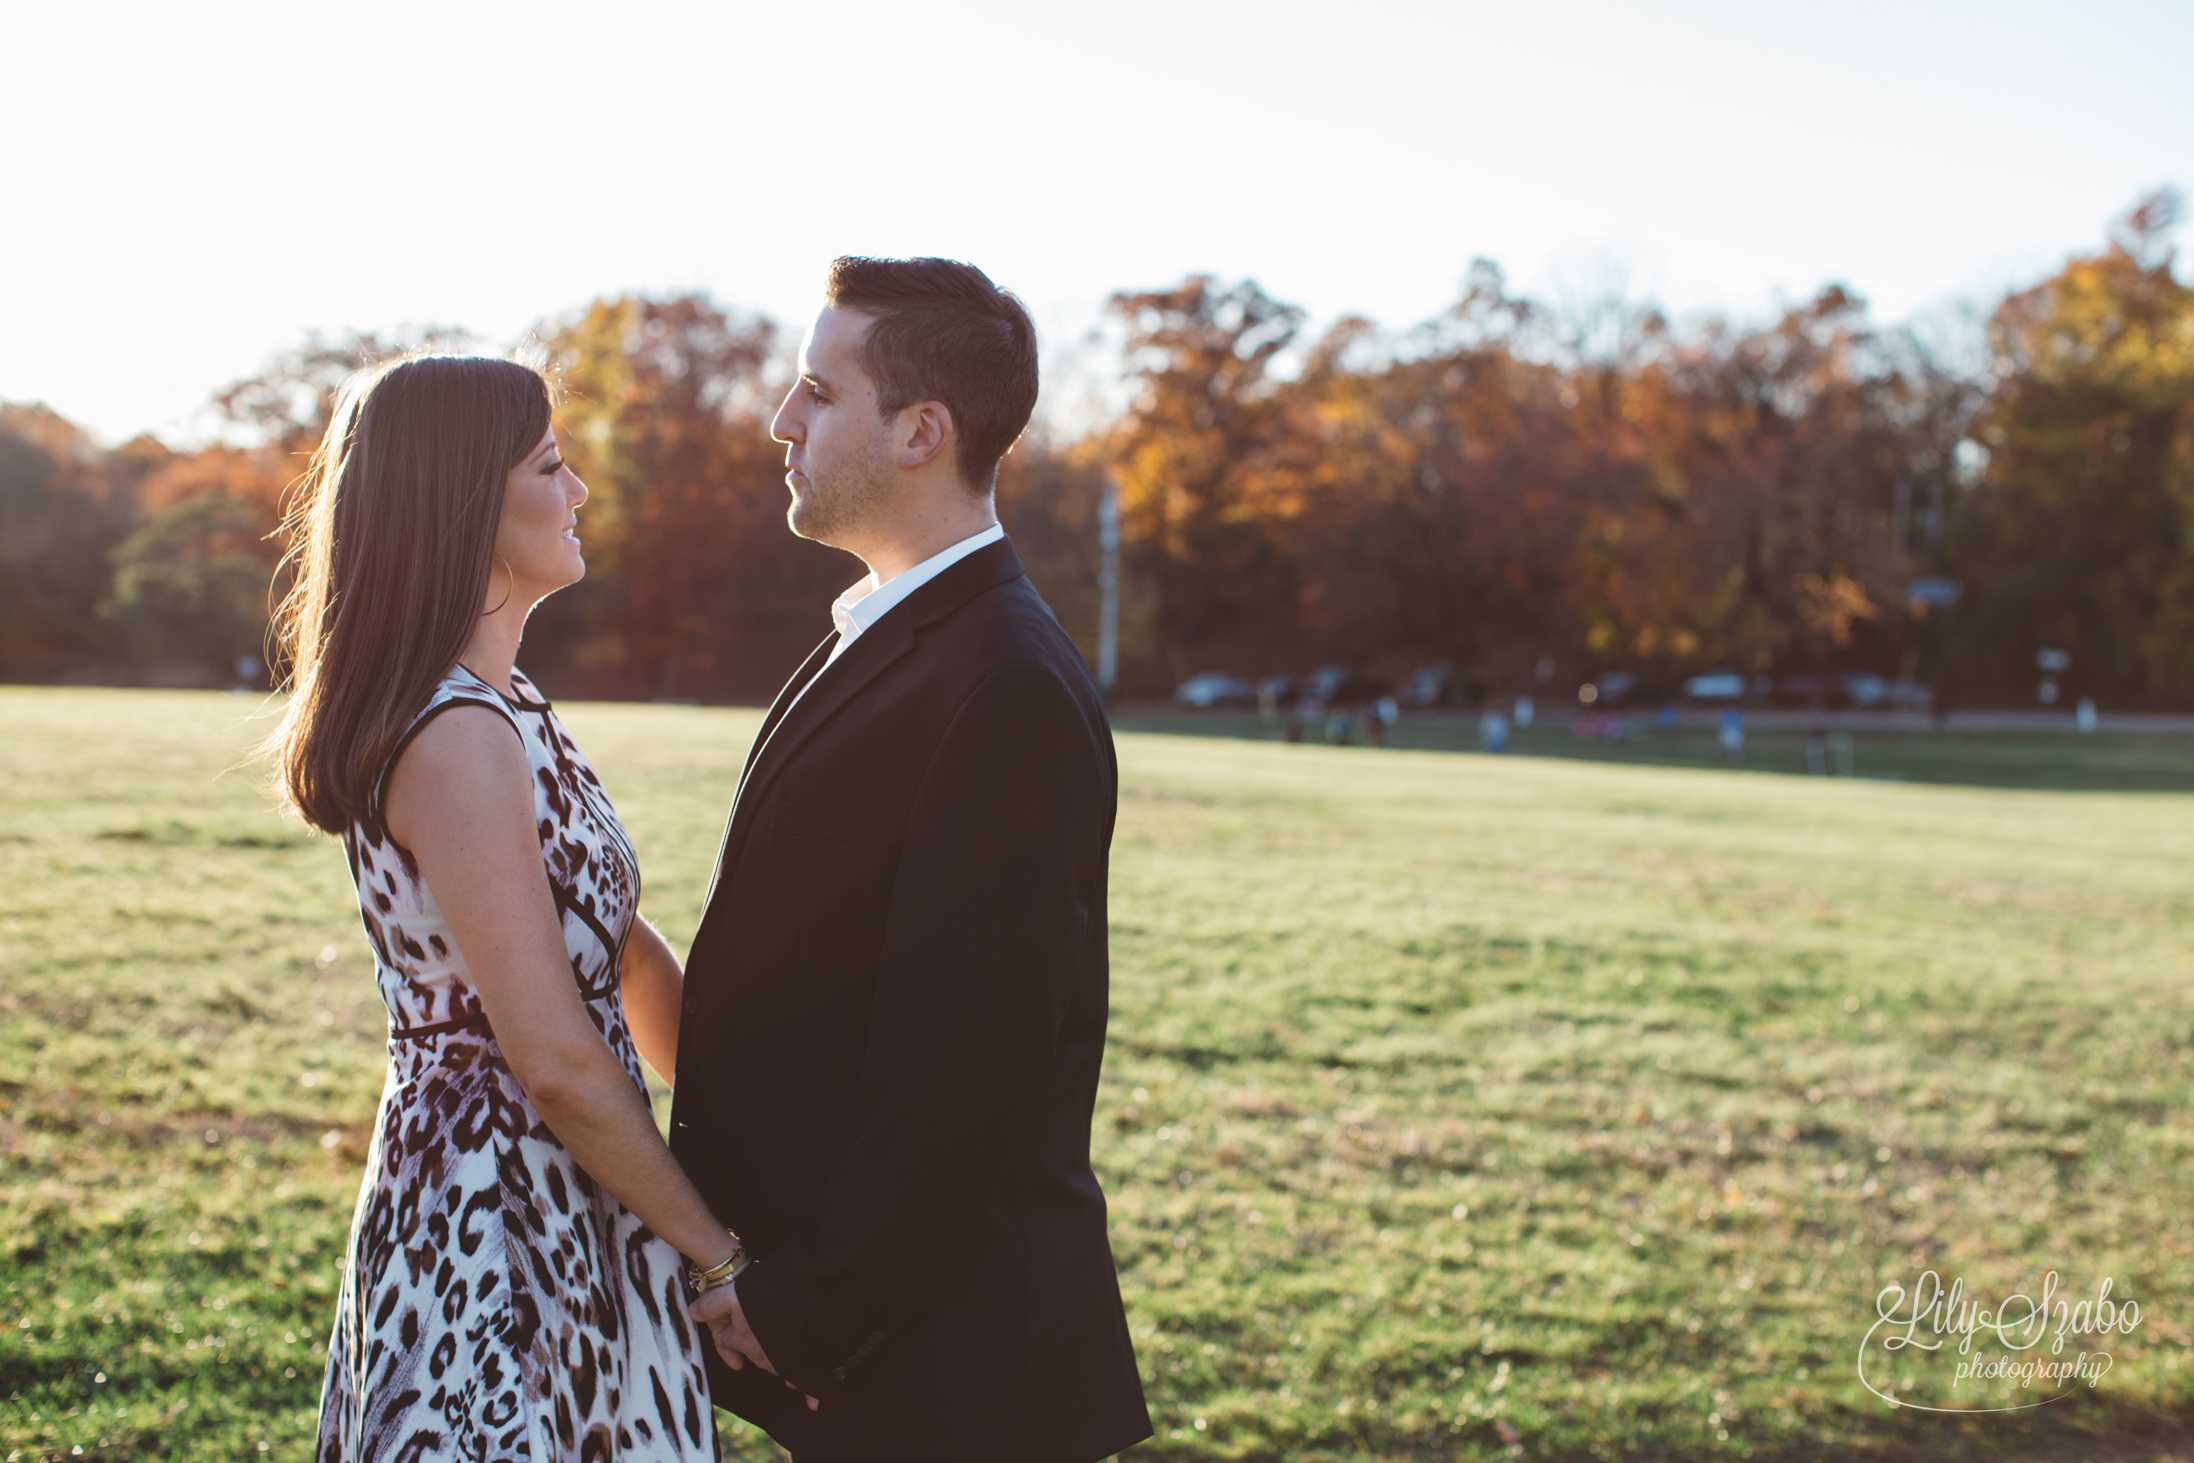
[987, 924]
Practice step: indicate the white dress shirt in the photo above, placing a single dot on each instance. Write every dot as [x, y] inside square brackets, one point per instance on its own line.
[866, 602]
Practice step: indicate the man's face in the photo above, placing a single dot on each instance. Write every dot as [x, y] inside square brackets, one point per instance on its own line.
[838, 452]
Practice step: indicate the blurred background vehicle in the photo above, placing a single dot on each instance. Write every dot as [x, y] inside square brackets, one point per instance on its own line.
[1213, 690]
[1866, 692]
[1717, 686]
[1428, 687]
[1334, 687]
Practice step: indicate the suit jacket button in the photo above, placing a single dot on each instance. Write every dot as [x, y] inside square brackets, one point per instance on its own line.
[875, 1338]
[841, 1374]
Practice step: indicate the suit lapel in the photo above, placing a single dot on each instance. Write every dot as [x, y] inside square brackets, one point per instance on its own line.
[822, 688]
[864, 660]
[781, 707]
[809, 669]
[815, 696]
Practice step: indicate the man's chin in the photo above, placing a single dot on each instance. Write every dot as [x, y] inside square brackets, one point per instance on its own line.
[805, 522]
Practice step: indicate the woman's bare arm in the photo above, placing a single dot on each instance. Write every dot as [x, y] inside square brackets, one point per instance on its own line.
[654, 985]
[460, 798]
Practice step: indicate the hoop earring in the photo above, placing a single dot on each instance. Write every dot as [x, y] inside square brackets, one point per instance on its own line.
[511, 586]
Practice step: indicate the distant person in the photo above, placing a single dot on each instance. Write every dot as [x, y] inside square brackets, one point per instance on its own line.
[1732, 736]
[1493, 732]
[896, 1002]
[1379, 719]
[513, 1284]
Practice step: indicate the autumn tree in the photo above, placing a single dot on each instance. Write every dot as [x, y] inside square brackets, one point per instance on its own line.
[1048, 494]
[191, 586]
[287, 405]
[2080, 535]
[1754, 526]
[1437, 489]
[1211, 525]
[1505, 484]
[696, 588]
[64, 506]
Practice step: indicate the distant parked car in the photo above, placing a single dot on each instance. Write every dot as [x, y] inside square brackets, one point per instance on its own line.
[1336, 686]
[1910, 696]
[1866, 692]
[1433, 685]
[1211, 691]
[1720, 686]
[1281, 691]
[1320, 687]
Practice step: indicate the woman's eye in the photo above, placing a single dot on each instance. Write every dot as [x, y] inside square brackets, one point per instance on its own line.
[553, 468]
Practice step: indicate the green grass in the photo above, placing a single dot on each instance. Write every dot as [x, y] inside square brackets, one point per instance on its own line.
[1456, 1105]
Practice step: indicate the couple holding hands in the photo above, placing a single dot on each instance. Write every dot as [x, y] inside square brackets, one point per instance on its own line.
[874, 1231]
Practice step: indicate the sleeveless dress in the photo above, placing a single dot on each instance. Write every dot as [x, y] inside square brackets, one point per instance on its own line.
[496, 1303]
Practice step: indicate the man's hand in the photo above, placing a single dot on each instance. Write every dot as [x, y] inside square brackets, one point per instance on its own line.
[736, 1342]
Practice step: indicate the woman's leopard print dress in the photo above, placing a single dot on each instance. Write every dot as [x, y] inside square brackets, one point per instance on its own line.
[496, 1303]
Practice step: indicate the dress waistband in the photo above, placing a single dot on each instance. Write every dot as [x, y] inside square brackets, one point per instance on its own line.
[478, 1019]
[421, 1033]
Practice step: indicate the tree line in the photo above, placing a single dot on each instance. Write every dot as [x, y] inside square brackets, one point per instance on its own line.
[1522, 492]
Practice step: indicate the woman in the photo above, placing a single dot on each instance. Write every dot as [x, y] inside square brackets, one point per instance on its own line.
[513, 1285]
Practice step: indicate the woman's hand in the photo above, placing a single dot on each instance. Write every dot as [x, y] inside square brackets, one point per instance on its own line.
[736, 1343]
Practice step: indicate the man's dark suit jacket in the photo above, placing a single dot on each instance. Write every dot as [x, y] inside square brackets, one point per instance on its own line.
[894, 1018]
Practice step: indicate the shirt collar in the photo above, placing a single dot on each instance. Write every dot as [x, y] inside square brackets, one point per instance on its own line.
[866, 602]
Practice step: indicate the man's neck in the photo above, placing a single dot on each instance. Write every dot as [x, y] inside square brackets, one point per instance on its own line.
[923, 538]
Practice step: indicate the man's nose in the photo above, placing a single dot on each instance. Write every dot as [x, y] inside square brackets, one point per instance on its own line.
[785, 426]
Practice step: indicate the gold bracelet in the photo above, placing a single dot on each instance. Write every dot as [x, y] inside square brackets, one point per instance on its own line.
[700, 1281]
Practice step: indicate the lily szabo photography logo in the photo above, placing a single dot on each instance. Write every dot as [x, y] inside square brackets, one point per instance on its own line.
[1937, 1349]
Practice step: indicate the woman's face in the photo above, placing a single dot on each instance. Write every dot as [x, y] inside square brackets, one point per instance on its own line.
[538, 535]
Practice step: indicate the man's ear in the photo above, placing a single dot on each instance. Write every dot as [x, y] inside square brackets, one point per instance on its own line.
[925, 430]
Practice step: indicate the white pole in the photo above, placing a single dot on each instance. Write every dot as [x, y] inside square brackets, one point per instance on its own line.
[1108, 589]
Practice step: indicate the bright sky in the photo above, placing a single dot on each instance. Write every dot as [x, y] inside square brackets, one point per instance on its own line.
[190, 188]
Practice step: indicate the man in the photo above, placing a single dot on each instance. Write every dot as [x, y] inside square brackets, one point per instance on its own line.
[895, 1006]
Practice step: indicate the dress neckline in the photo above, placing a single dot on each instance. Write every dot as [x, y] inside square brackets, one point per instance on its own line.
[523, 695]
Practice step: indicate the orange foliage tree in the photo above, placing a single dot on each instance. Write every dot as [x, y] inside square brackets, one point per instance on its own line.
[2080, 533]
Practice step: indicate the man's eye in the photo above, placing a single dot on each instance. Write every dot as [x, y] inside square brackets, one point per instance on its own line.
[815, 395]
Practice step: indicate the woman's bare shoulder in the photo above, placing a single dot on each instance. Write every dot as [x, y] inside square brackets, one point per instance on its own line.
[467, 764]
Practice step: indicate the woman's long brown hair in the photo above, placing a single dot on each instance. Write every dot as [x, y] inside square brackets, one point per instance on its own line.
[391, 536]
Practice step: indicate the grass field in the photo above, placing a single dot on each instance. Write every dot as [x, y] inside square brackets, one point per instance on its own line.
[1457, 1107]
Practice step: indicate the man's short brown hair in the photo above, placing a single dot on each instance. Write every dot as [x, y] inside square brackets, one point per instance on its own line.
[941, 331]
